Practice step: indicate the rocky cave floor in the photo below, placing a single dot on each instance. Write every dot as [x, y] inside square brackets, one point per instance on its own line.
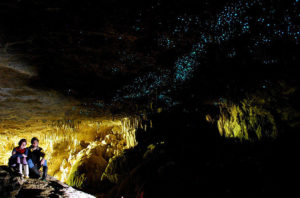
[12, 185]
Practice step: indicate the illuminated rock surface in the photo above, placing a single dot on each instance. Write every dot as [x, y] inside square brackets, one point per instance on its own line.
[35, 188]
[246, 121]
[258, 116]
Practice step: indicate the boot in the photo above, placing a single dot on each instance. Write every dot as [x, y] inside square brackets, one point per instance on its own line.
[26, 171]
[45, 170]
[21, 169]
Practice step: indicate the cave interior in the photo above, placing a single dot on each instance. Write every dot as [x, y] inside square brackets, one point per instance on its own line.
[157, 98]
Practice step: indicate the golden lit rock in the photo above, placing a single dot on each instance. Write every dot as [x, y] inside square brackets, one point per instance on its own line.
[247, 120]
[76, 138]
[67, 147]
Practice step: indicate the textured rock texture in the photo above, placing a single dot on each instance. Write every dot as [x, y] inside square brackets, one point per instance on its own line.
[13, 186]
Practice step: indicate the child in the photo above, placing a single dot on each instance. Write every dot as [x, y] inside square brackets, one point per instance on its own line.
[19, 157]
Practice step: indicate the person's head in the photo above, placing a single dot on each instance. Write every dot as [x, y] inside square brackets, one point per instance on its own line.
[34, 142]
[22, 143]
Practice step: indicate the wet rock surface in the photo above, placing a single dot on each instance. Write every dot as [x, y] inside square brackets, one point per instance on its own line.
[13, 186]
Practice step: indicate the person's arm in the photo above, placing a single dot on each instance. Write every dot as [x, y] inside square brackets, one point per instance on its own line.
[43, 154]
[26, 152]
[14, 153]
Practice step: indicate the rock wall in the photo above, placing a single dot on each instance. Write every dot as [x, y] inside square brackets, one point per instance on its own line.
[74, 152]
[246, 120]
[261, 114]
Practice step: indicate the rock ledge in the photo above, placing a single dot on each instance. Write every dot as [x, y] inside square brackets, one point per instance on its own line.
[13, 186]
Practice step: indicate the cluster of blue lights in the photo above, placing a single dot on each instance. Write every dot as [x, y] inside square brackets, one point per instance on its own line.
[145, 85]
[234, 21]
[166, 42]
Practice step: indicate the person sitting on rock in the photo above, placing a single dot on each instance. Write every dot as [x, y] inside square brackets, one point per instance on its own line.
[36, 159]
[19, 158]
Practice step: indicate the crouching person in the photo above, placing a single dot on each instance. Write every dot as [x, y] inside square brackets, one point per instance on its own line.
[36, 160]
[18, 160]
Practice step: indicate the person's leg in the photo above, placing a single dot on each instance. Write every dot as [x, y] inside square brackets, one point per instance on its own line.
[45, 170]
[30, 163]
[21, 169]
[24, 160]
[34, 172]
[26, 170]
[45, 163]
[20, 166]
[12, 162]
[25, 165]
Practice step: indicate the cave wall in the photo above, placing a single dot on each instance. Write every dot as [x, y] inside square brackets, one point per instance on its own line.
[263, 114]
[70, 147]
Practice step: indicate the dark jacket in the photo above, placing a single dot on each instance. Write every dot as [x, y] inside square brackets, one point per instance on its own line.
[35, 155]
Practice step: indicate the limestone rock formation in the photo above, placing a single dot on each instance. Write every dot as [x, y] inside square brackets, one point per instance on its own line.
[13, 186]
